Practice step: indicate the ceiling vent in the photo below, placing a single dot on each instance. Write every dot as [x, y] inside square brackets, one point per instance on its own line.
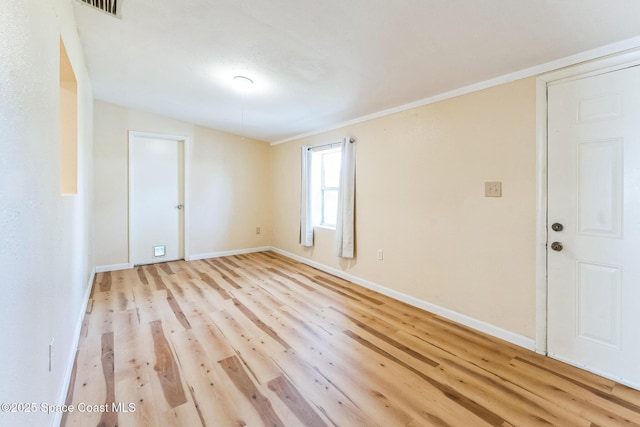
[112, 7]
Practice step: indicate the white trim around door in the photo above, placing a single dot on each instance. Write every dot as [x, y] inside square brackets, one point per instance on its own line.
[603, 65]
[186, 185]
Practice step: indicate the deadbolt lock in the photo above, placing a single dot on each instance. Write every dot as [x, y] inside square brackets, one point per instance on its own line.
[557, 226]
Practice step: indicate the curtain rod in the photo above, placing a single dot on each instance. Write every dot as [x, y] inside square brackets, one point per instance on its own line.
[330, 145]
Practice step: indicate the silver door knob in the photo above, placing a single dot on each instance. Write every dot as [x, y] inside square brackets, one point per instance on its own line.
[557, 246]
[557, 227]
[180, 206]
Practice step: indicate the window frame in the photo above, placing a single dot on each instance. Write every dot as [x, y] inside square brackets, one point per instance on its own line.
[322, 189]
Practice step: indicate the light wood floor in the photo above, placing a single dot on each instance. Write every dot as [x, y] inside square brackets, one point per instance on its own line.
[261, 340]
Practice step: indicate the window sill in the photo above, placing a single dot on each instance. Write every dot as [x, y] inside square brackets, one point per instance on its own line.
[325, 227]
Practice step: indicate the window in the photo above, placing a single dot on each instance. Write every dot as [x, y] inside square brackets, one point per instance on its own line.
[325, 183]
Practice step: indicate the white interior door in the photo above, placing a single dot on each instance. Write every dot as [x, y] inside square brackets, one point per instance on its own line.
[157, 220]
[594, 200]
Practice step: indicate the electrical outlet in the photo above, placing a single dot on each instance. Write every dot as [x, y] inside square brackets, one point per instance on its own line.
[380, 255]
[257, 230]
[493, 189]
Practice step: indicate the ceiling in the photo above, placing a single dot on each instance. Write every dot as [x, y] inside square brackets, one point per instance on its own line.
[316, 64]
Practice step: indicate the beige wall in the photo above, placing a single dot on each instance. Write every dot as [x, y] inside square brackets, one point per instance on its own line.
[229, 185]
[420, 198]
[45, 253]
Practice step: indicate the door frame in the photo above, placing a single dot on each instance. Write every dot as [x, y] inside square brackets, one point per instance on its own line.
[185, 185]
[597, 66]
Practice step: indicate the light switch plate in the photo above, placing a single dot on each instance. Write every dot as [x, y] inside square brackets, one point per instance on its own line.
[493, 189]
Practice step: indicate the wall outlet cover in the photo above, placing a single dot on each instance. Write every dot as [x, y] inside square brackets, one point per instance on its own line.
[493, 189]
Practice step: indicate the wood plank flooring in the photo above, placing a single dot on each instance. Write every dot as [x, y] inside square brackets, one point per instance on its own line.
[261, 340]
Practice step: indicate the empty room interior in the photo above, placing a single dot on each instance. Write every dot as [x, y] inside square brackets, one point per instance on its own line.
[298, 213]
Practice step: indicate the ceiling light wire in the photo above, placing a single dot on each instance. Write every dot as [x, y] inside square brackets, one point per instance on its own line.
[243, 83]
[242, 116]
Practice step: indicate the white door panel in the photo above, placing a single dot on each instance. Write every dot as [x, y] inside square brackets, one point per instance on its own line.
[594, 192]
[157, 197]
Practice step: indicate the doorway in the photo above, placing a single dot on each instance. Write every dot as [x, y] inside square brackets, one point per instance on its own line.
[593, 222]
[157, 198]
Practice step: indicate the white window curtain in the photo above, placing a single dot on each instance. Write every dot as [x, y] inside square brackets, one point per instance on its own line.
[345, 225]
[306, 222]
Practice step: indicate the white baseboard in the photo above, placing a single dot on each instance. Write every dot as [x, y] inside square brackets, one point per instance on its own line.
[62, 397]
[228, 253]
[126, 266]
[463, 319]
[113, 267]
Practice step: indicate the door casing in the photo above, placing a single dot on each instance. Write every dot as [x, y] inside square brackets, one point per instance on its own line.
[606, 64]
[186, 143]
